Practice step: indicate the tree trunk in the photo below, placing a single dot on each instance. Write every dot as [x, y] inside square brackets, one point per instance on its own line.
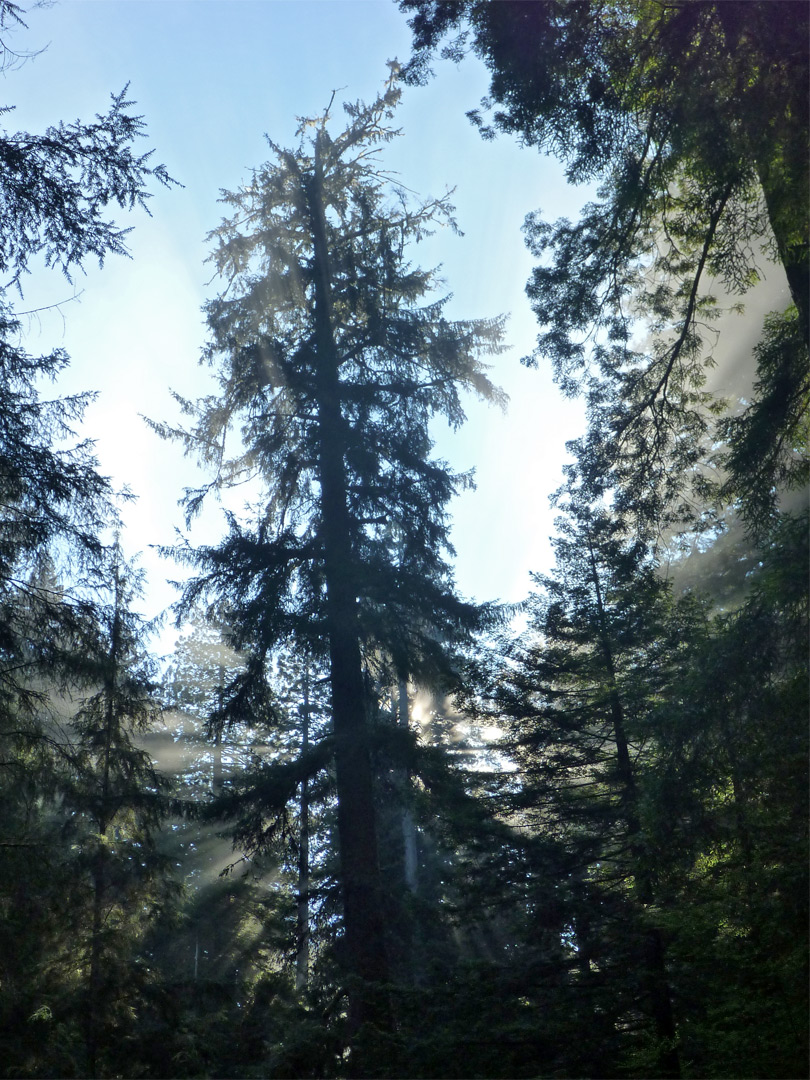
[302, 950]
[411, 860]
[218, 776]
[94, 996]
[357, 817]
[100, 868]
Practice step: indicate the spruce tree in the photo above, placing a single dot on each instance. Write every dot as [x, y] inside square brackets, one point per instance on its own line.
[332, 360]
[120, 799]
[578, 695]
[56, 191]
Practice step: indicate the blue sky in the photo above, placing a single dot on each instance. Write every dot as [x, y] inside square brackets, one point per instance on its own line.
[211, 78]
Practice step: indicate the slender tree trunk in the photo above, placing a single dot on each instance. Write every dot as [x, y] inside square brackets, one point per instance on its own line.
[218, 777]
[357, 817]
[100, 868]
[94, 997]
[411, 860]
[302, 952]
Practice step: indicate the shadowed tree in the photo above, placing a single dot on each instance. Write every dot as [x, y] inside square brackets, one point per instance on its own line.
[577, 693]
[56, 190]
[331, 361]
[118, 793]
[693, 117]
[57, 193]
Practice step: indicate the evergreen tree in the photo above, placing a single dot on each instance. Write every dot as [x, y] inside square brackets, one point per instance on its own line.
[726, 798]
[195, 682]
[84, 806]
[332, 370]
[120, 799]
[658, 746]
[55, 191]
[694, 119]
[578, 695]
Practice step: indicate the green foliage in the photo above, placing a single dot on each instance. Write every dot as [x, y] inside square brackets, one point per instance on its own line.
[712, 92]
[767, 452]
[619, 887]
[55, 192]
[83, 877]
[699, 836]
[660, 737]
[693, 118]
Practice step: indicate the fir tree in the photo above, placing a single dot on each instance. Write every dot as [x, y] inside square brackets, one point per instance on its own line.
[56, 189]
[121, 799]
[331, 365]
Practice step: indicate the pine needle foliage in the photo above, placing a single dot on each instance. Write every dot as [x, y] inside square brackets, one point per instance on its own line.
[692, 118]
[332, 356]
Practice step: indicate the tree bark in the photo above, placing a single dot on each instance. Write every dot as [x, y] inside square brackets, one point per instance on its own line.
[302, 951]
[217, 774]
[103, 821]
[357, 818]
[411, 860]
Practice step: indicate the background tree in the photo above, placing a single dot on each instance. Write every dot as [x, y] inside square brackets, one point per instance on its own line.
[577, 694]
[693, 118]
[627, 712]
[84, 807]
[119, 797]
[725, 791]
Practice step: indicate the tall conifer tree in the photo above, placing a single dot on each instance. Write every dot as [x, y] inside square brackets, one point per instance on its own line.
[332, 360]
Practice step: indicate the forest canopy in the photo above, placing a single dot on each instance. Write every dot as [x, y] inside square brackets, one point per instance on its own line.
[359, 824]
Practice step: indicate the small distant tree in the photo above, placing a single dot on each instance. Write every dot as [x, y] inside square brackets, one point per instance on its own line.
[120, 798]
[331, 363]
